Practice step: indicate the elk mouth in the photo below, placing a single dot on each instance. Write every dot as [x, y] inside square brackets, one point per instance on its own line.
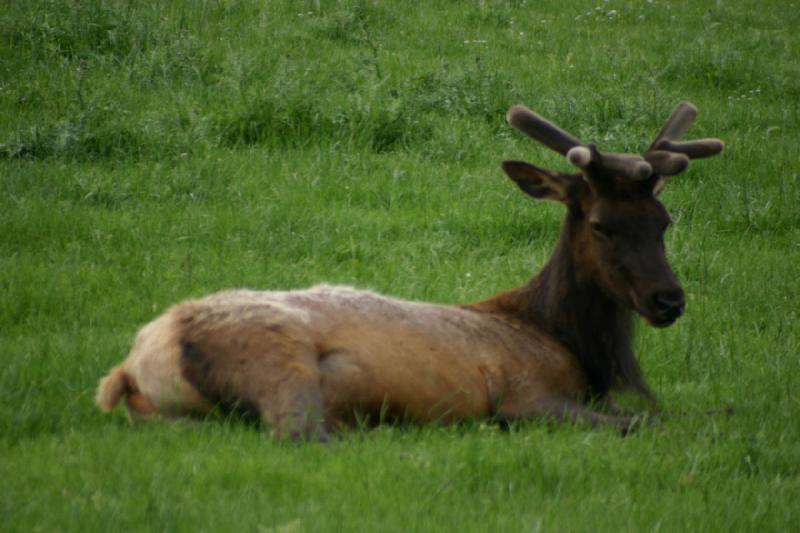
[660, 321]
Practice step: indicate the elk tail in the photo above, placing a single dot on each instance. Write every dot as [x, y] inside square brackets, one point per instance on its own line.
[111, 389]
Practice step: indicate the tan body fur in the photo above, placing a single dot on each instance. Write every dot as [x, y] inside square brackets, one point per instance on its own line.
[362, 351]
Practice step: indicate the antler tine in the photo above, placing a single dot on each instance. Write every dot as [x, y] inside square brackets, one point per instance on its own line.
[633, 167]
[692, 149]
[676, 125]
[667, 163]
[668, 155]
[541, 129]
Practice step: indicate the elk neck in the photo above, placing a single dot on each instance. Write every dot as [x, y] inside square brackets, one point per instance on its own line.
[570, 306]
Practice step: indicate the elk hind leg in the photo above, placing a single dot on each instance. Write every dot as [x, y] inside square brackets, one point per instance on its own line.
[277, 377]
[294, 406]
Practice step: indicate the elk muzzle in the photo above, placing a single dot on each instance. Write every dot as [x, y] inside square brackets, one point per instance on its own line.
[667, 306]
[654, 291]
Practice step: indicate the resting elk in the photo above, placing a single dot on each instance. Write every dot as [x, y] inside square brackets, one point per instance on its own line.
[309, 361]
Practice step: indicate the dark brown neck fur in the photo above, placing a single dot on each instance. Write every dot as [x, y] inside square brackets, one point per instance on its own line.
[595, 328]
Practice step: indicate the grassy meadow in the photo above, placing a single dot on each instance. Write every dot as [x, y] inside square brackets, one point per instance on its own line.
[155, 151]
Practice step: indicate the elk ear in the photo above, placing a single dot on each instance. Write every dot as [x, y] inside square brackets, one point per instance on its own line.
[537, 182]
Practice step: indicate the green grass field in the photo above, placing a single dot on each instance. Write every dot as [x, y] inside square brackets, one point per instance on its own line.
[154, 151]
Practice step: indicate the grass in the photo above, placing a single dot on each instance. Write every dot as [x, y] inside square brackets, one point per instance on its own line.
[155, 151]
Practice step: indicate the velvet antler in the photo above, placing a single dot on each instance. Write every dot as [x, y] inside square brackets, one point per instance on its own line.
[584, 156]
[668, 155]
[541, 129]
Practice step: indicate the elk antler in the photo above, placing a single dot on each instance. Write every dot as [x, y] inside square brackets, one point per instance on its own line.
[541, 129]
[676, 125]
[667, 154]
[584, 156]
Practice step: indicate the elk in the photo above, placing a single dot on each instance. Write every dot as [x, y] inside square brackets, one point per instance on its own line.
[309, 361]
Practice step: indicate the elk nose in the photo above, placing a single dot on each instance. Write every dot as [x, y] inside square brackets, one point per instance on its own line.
[670, 302]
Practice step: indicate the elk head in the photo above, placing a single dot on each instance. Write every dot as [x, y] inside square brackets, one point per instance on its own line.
[615, 223]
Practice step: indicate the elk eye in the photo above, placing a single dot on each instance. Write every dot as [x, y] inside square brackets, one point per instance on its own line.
[600, 229]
